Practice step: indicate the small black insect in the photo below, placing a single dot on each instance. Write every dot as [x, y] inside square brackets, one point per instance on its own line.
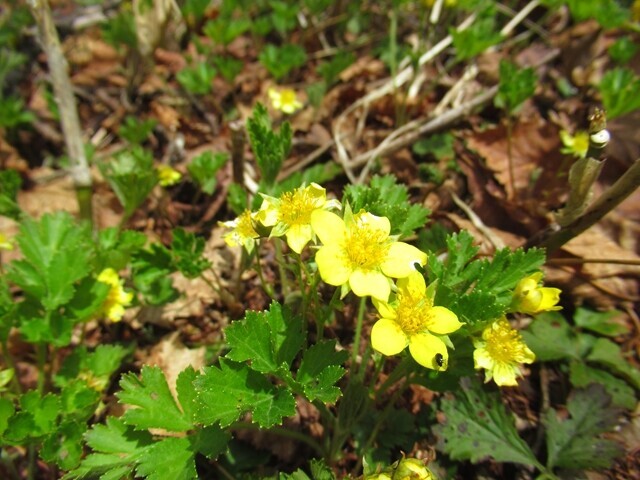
[439, 360]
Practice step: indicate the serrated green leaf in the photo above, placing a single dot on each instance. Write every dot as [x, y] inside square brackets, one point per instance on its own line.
[36, 418]
[119, 445]
[476, 38]
[508, 267]
[186, 251]
[609, 354]
[203, 169]
[320, 369]
[116, 247]
[574, 442]
[516, 85]
[270, 148]
[117, 437]
[96, 367]
[64, 446]
[269, 339]
[6, 411]
[550, 337]
[478, 426]
[228, 391]
[599, 322]
[89, 297]
[151, 393]
[170, 458]
[210, 441]
[78, 400]
[621, 393]
[57, 253]
[152, 268]
[385, 197]
[187, 392]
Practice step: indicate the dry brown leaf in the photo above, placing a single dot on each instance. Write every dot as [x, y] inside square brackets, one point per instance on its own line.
[173, 357]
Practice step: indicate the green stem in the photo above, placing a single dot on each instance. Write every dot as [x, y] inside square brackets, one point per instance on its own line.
[283, 432]
[8, 359]
[265, 286]
[284, 282]
[404, 367]
[41, 353]
[358, 333]
[380, 421]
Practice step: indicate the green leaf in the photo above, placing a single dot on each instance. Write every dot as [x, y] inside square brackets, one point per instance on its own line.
[516, 85]
[476, 38]
[64, 446]
[36, 418]
[136, 131]
[152, 268]
[320, 369]
[151, 393]
[197, 79]
[203, 169]
[131, 175]
[608, 354]
[78, 400]
[279, 61]
[599, 322]
[269, 340]
[10, 183]
[225, 393]
[210, 441]
[96, 367]
[551, 338]
[6, 411]
[57, 253]
[621, 393]
[186, 250]
[574, 443]
[115, 247]
[170, 458]
[87, 300]
[620, 91]
[608, 13]
[270, 148]
[119, 447]
[385, 197]
[478, 426]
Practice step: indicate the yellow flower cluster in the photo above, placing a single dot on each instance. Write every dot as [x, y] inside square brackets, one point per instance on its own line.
[117, 298]
[168, 175]
[5, 243]
[284, 100]
[405, 469]
[357, 253]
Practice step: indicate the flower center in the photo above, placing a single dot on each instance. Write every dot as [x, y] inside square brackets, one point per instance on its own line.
[296, 207]
[287, 97]
[366, 246]
[504, 343]
[413, 314]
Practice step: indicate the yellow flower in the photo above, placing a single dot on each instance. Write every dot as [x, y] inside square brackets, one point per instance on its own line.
[500, 352]
[410, 320]
[284, 100]
[412, 469]
[531, 298]
[168, 176]
[117, 298]
[290, 215]
[5, 243]
[242, 232]
[576, 145]
[359, 254]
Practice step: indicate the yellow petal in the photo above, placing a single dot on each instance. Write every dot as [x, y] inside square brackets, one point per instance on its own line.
[550, 297]
[505, 374]
[443, 321]
[328, 226]
[413, 285]
[331, 265]
[268, 213]
[387, 337]
[298, 236]
[384, 309]
[401, 259]
[482, 359]
[424, 347]
[370, 283]
[375, 222]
